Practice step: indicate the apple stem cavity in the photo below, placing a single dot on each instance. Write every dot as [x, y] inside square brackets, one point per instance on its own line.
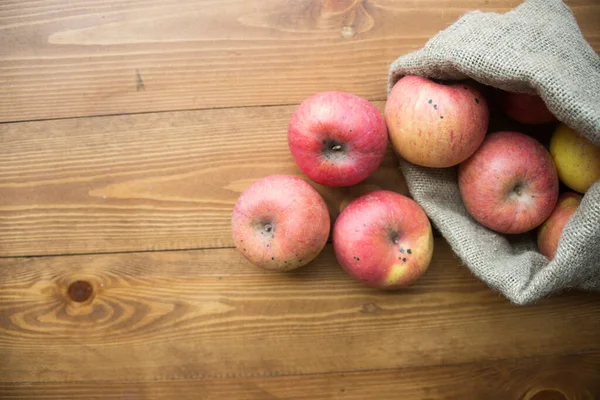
[518, 189]
[332, 149]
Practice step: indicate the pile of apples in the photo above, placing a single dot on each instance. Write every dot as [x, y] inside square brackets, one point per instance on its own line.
[508, 180]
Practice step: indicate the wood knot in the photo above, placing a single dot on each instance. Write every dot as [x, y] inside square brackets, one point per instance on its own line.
[80, 291]
[352, 17]
[545, 394]
[348, 32]
[356, 18]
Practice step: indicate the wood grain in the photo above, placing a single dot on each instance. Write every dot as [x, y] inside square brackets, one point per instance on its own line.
[536, 378]
[144, 182]
[210, 315]
[203, 323]
[63, 58]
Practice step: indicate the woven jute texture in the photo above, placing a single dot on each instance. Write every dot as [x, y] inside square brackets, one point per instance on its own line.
[535, 48]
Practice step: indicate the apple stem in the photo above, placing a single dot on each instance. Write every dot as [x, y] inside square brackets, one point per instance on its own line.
[337, 147]
[268, 227]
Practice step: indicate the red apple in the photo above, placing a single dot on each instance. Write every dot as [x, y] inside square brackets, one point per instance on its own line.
[550, 231]
[337, 139]
[280, 223]
[433, 124]
[384, 240]
[510, 184]
[526, 108]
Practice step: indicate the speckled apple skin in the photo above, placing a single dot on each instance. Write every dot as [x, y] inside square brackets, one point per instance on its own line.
[384, 240]
[298, 220]
[435, 125]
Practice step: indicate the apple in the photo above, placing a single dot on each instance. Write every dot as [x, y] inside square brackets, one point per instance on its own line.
[510, 184]
[433, 124]
[550, 231]
[280, 223]
[337, 138]
[384, 240]
[526, 108]
[577, 159]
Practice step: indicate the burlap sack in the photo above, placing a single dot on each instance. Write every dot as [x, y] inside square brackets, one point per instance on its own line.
[537, 47]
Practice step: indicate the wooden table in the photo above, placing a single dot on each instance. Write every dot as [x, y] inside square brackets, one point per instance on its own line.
[129, 130]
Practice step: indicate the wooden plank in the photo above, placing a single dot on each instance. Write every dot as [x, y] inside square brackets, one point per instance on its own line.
[537, 378]
[63, 58]
[143, 182]
[209, 314]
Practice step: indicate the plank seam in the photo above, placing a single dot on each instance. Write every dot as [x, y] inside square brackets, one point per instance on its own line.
[158, 112]
[194, 377]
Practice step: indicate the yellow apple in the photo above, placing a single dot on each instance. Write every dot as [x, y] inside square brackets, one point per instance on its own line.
[577, 159]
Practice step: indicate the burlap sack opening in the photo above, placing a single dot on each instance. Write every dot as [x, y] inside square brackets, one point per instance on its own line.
[535, 48]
